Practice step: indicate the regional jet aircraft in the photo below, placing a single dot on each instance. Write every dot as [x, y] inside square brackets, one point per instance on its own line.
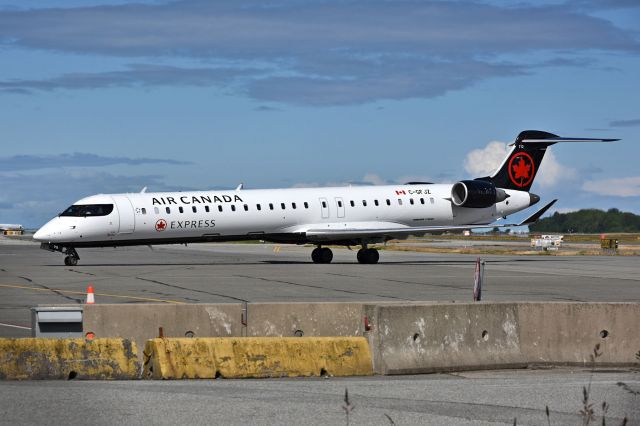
[346, 216]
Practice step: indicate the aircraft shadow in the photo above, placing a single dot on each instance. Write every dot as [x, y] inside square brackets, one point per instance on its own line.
[294, 262]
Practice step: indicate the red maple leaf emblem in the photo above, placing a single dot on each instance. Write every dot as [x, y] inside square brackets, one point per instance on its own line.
[161, 225]
[521, 169]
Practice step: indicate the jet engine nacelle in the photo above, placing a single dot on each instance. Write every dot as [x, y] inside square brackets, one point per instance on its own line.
[476, 194]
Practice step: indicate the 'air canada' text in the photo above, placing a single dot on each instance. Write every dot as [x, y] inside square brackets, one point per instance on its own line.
[200, 199]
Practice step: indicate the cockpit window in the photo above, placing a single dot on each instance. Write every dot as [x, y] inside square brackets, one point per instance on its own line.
[88, 210]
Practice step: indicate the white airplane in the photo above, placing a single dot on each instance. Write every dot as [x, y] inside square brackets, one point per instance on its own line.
[11, 227]
[347, 216]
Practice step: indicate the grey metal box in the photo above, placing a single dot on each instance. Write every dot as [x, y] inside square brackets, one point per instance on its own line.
[56, 321]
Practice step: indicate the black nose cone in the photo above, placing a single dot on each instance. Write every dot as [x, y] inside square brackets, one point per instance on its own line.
[533, 199]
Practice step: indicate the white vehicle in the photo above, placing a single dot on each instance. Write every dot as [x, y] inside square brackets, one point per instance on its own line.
[348, 216]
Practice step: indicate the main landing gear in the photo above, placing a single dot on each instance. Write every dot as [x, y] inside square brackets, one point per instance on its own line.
[368, 255]
[322, 255]
[365, 255]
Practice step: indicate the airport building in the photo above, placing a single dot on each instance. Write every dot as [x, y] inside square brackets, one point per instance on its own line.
[11, 229]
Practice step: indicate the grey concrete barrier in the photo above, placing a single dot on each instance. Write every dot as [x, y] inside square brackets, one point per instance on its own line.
[446, 337]
[305, 319]
[141, 322]
[567, 333]
[405, 338]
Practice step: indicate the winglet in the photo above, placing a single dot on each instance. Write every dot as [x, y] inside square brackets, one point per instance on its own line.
[534, 217]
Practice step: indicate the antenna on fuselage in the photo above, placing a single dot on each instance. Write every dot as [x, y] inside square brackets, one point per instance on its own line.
[239, 187]
[143, 190]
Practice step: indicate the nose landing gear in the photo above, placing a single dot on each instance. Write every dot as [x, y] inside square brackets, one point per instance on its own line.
[71, 258]
[321, 255]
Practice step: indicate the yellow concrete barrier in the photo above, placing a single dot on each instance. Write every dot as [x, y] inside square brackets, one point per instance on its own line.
[253, 357]
[34, 358]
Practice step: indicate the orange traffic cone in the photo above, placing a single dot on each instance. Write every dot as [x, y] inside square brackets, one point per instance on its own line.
[90, 297]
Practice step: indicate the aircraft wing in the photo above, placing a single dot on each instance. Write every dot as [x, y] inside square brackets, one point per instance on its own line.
[403, 232]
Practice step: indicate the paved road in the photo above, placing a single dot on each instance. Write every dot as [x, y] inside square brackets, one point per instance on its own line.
[260, 273]
[478, 398]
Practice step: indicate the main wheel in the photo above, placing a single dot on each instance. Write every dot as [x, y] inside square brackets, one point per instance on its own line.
[315, 255]
[368, 256]
[374, 256]
[326, 255]
[70, 260]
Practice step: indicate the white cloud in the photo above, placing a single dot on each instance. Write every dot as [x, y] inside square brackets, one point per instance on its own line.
[485, 161]
[566, 210]
[374, 179]
[551, 171]
[618, 187]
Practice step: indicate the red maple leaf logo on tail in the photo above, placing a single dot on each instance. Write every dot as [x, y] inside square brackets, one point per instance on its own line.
[521, 170]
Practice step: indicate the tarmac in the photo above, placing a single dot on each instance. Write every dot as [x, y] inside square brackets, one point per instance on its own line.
[219, 273]
[471, 398]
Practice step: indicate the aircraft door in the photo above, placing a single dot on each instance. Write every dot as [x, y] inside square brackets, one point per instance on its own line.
[340, 206]
[125, 211]
[324, 206]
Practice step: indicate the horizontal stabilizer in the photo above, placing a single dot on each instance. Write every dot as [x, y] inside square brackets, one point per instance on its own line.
[551, 141]
[534, 217]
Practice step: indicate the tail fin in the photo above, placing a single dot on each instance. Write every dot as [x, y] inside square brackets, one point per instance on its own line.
[519, 168]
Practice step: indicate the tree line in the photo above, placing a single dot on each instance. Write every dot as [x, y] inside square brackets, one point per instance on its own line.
[589, 221]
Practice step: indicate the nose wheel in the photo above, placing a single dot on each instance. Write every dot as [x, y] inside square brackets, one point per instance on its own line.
[322, 255]
[70, 260]
[368, 256]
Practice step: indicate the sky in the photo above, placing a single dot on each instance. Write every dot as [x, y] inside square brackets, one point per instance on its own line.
[111, 96]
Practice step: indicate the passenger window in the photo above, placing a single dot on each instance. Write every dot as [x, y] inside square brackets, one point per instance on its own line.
[353, 204]
[306, 205]
[376, 202]
[258, 207]
[411, 201]
[339, 203]
[246, 208]
[194, 209]
[432, 200]
[364, 203]
[144, 211]
[181, 209]
[421, 200]
[388, 202]
[156, 210]
[168, 210]
[206, 209]
[399, 201]
[270, 206]
[233, 207]
[324, 205]
[220, 208]
[293, 205]
[283, 206]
